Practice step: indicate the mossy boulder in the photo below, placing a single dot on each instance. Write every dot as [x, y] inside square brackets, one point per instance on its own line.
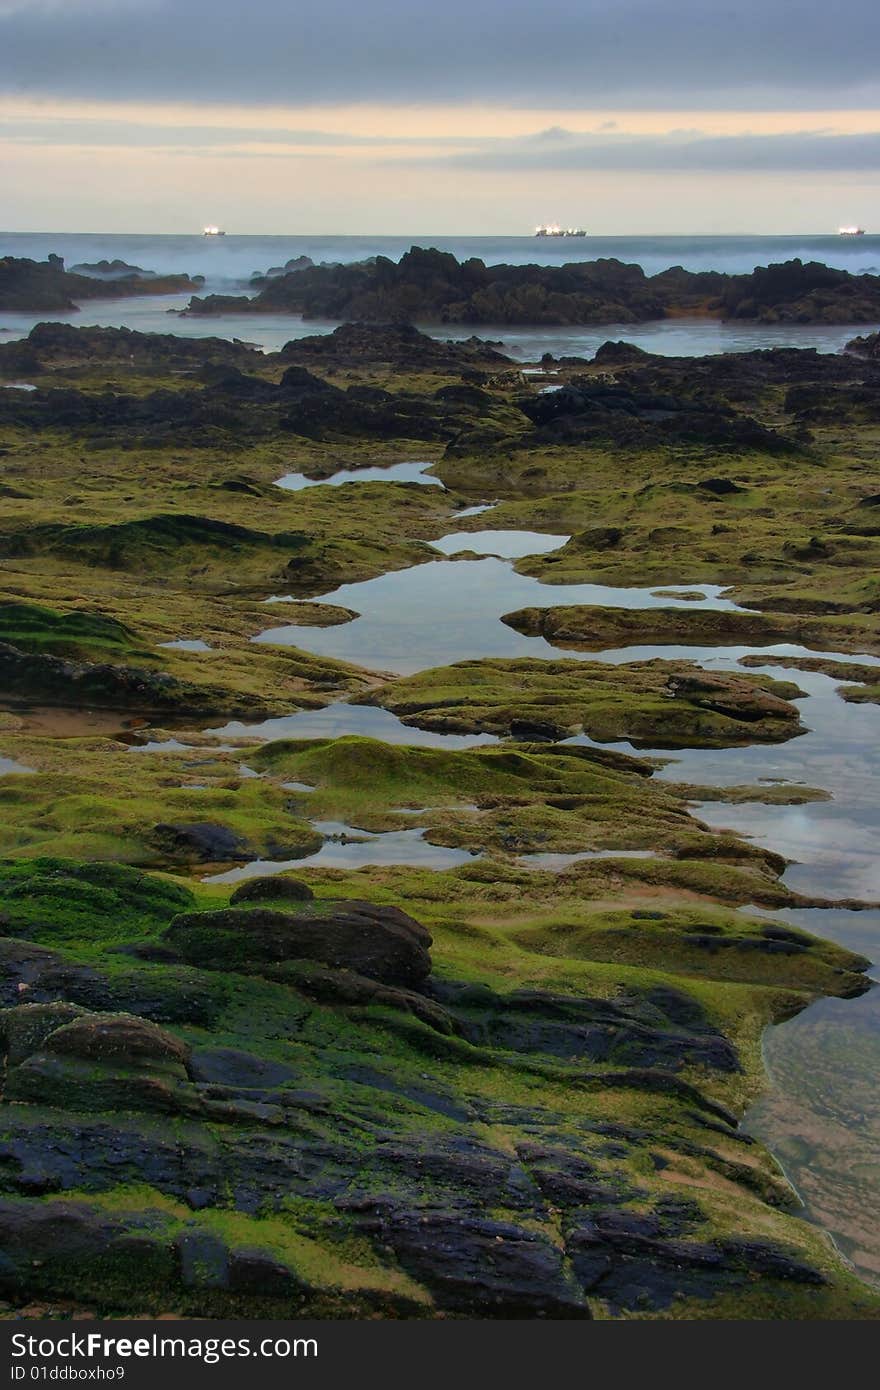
[24, 1029]
[104, 1062]
[382, 943]
[122, 1038]
[275, 888]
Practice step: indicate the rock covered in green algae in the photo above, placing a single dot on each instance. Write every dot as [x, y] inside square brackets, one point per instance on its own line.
[382, 943]
[120, 1038]
[660, 704]
[597, 628]
[537, 1159]
[31, 677]
[23, 1029]
[97, 1061]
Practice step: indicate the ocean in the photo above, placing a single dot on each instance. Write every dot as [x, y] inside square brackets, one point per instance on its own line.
[228, 263]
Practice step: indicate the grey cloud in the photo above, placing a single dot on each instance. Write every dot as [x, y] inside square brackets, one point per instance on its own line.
[565, 54]
[146, 134]
[690, 151]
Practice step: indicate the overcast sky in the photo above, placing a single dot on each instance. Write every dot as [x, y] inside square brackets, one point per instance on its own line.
[468, 116]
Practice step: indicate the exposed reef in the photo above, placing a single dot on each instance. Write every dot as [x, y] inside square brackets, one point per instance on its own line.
[431, 286]
[658, 704]
[594, 629]
[45, 286]
[355, 1133]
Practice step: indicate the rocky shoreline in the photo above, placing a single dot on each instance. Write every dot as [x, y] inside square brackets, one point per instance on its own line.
[503, 1089]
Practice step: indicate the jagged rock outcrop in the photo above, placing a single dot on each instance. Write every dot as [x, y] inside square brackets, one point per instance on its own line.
[427, 285]
[35, 286]
[394, 344]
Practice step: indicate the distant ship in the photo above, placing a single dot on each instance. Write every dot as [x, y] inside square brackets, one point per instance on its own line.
[551, 229]
[213, 231]
[850, 231]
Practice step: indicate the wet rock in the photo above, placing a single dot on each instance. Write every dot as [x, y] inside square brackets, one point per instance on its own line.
[477, 1266]
[70, 1232]
[43, 286]
[626, 1259]
[204, 1260]
[229, 1066]
[175, 994]
[202, 841]
[295, 263]
[619, 354]
[61, 344]
[598, 538]
[299, 384]
[256, 1271]
[632, 412]
[398, 345]
[348, 988]
[765, 1257]
[381, 943]
[633, 1032]
[802, 292]
[868, 347]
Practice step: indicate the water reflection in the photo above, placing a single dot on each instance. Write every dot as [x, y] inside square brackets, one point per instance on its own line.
[407, 472]
[340, 719]
[445, 611]
[506, 545]
[821, 1114]
[346, 847]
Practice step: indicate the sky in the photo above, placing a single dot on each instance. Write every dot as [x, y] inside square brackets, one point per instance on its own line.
[461, 117]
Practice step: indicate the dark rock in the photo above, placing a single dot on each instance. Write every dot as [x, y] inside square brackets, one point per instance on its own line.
[381, 943]
[427, 285]
[37, 286]
[720, 487]
[480, 1267]
[619, 354]
[204, 1260]
[392, 344]
[868, 347]
[203, 841]
[104, 1062]
[255, 1271]
[61, 344]
[230, 1067]
[598, 538]
[274, 888]
[764, 1257]
[634, 1031]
